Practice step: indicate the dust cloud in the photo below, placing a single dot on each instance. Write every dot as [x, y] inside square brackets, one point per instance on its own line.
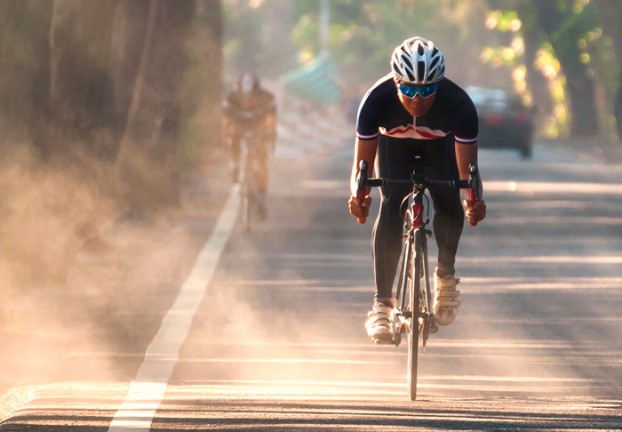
[91, 253]
[67, 253]
[49, 216]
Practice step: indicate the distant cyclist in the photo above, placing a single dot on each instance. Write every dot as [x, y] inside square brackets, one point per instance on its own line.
[415, 110]
[249, 114]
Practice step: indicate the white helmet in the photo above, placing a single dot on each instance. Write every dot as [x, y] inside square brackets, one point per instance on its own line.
[418, 61]
[248, 82]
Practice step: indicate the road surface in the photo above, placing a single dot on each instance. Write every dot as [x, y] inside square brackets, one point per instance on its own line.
[265, 331]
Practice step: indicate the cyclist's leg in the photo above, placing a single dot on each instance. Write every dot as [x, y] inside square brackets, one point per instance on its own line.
[261, 158]
[394, 161]
[448, 225]
[448, 212]
[233, 144]
[260, 152]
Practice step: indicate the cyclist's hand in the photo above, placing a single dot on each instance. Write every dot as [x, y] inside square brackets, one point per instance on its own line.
[474, 212]
[359, 208]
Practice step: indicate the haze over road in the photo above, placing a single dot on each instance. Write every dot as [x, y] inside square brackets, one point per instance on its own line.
[277, 342]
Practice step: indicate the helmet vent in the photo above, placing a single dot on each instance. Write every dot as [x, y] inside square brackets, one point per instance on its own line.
[407, 62]
[420, 68]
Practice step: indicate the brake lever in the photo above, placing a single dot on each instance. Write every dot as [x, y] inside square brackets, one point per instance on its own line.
[474, 189]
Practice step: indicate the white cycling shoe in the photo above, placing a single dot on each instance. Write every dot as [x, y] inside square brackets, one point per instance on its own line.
[446, 301]
[379, 324]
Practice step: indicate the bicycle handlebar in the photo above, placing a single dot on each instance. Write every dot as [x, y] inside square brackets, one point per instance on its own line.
[375, 182]
[473, 183]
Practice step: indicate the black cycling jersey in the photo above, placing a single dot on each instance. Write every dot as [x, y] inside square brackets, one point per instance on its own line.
[261, 103]
[451, 117]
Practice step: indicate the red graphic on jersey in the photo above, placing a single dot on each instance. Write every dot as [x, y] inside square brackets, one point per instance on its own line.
[412, 131]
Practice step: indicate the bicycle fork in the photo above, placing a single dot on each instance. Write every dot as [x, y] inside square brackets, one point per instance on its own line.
[422, 314]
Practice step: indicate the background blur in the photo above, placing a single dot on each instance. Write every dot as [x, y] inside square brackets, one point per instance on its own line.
[108, 107]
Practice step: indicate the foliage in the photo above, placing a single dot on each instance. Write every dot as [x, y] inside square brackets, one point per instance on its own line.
[486, 42]
[572, 39]
[364, 34]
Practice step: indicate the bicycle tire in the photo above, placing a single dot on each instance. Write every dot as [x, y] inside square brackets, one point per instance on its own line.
[247, 204]
[401, 293]
[417, 260]
[425, 294]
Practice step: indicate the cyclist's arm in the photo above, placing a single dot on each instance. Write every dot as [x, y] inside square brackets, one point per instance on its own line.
[466, 154]
[363, 150]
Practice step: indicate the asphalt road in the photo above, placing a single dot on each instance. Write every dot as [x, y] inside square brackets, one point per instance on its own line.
[265, 330]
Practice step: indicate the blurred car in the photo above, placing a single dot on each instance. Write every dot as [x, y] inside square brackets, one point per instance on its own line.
[505, 122]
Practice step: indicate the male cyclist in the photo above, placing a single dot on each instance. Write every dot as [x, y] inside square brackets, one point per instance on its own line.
[415, 110]
[249, 112]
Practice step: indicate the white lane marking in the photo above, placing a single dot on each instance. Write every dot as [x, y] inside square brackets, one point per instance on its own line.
[146, 392]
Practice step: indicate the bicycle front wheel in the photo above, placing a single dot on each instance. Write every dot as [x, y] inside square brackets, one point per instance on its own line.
[417, 263]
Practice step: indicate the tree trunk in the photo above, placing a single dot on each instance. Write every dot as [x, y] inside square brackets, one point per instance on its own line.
[610, 12]
[81, 95]
[146, 163]
[127, 46]
[579, 85]
[537, 82]
[24, 80]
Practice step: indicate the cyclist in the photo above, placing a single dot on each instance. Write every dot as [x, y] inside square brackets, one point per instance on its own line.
[249, 110]
[415, 110]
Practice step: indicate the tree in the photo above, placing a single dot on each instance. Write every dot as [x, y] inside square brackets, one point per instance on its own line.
[610, 13]
[24, 75]
[562, 26]
[89, 90]
[80, 86]
[534, 38]
[364, 34]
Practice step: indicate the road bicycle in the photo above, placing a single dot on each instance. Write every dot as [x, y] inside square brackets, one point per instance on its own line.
[413, 314]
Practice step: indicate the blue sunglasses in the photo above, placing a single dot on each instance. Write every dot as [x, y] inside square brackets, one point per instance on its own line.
[411, 91]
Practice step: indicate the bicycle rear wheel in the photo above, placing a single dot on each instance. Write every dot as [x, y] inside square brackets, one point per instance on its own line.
[417, 261]
[247, 193]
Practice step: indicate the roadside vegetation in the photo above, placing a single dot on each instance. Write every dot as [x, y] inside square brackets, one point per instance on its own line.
[105, 106]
